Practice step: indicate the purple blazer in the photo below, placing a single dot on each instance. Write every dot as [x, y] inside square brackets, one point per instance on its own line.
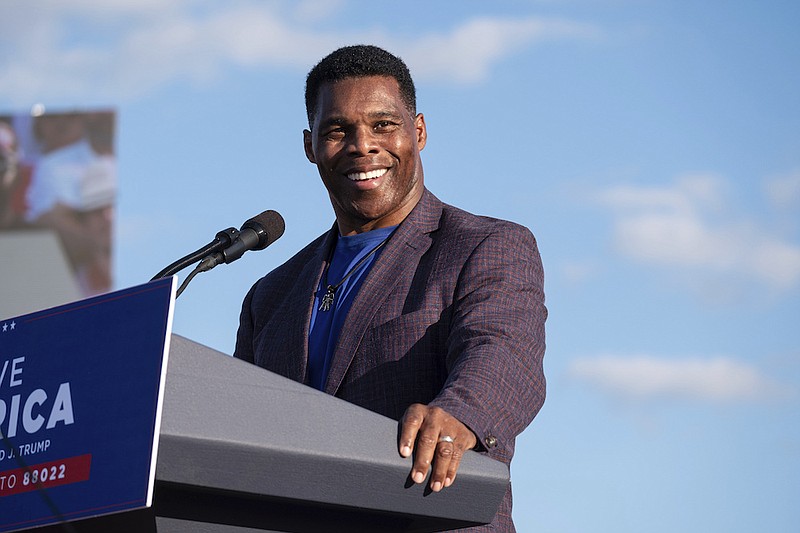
[452, 315]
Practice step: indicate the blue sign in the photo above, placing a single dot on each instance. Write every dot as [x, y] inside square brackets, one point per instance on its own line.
[81, 389]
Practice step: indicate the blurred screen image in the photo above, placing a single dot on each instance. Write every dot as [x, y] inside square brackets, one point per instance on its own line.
[58, 173]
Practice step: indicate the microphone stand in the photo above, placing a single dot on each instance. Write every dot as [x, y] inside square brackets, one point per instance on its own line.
[228, 246]
[222, 240]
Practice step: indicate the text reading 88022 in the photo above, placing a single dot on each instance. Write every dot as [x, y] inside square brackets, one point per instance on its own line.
[45, 475]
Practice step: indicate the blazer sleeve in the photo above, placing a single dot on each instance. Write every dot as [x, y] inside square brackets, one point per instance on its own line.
[496, 343]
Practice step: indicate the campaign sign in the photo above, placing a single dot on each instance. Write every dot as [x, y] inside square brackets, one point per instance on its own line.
[81, 389]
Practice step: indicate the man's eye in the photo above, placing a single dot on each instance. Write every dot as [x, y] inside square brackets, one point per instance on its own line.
[334, 132]
[384, 125]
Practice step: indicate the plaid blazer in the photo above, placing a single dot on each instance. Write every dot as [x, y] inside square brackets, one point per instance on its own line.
[451, 314]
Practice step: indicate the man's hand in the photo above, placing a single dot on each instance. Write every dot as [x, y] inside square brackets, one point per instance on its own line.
[434, 436]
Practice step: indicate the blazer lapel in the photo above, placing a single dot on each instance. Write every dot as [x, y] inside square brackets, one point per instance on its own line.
[398, 260]
[298, 311]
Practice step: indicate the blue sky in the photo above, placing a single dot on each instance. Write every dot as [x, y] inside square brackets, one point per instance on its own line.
[652, 146]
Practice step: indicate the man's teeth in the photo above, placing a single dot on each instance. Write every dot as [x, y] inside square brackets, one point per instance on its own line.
[372, 174]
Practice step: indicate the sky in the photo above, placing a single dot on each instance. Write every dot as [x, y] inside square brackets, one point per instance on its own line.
[652, 146]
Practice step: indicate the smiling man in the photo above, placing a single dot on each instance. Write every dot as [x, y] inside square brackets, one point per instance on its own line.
[366, 145]
[407, 306]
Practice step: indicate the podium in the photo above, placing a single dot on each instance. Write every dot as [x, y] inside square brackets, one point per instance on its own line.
[243, 450]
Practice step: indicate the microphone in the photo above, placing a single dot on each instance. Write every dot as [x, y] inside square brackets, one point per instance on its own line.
[229, 245]
[255, 234]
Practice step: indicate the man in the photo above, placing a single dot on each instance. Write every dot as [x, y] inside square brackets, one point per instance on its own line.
[408, 307]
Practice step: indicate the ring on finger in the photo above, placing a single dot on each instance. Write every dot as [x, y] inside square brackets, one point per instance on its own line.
[446, 438]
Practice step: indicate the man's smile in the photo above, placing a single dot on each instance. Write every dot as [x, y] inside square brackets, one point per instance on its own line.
[362, 176]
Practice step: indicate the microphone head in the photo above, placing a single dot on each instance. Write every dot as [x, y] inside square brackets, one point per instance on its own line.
[269, 226]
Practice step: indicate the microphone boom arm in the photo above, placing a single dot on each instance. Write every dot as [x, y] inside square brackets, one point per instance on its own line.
[222, 240]
[229, 245]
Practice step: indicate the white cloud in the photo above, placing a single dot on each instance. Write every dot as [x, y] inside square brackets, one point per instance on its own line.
[90, 48]
[75, 54]
[468, 52]
[784, 191]
[688, 225]
[715, 380]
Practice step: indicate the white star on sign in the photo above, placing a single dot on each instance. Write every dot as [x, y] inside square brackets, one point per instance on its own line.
[5, 327]
[13, 325]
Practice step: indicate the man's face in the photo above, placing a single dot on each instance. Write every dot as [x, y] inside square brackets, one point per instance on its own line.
[366, 147]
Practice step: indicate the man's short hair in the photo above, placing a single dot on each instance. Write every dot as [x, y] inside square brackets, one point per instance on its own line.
[359, 61]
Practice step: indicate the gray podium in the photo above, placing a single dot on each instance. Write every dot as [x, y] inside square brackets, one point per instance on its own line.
[245, 450]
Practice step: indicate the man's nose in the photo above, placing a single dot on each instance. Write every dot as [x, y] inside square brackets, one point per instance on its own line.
[363, 141]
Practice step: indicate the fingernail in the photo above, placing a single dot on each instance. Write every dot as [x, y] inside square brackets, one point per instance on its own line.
[437, 486]
[448, 482]
[405, 451]
[418, 477]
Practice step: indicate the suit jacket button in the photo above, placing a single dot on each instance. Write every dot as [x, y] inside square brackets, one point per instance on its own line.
[490, 441]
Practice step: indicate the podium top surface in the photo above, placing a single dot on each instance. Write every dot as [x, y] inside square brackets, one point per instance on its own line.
[231, 426]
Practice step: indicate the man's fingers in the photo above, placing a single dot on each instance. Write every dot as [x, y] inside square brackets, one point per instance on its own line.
[423, 452]
[452, 469]
[445, 450]
[409, 426]
[436, 439]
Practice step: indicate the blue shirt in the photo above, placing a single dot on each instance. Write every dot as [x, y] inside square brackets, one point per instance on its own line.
[326, 325]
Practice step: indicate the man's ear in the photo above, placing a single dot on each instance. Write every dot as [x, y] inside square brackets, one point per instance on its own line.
[422, 131]
[308, 146]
